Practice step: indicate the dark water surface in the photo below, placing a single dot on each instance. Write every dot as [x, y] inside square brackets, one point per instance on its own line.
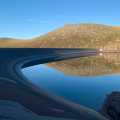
[84, 81]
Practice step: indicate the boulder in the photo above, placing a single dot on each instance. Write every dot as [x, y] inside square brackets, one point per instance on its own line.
[111, 106]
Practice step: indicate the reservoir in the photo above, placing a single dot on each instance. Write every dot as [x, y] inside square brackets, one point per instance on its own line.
[85, 81]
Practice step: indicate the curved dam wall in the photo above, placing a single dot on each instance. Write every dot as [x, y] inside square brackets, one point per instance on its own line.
[31, 96]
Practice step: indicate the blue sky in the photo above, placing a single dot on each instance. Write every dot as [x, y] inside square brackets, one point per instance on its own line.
[25, 19]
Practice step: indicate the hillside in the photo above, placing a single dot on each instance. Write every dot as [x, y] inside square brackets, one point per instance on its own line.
[84, 35]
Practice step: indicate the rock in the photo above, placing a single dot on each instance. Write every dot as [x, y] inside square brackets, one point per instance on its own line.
[111, 106]
[10, 110]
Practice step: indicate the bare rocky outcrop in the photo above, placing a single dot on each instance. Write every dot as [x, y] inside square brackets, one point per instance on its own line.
[111, 106]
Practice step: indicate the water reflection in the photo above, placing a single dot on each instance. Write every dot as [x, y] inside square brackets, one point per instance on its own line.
[84, 81]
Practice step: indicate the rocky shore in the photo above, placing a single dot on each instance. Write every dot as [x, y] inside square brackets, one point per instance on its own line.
[111, 106]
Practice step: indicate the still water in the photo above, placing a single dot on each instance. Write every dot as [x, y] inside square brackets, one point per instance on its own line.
[85, 81]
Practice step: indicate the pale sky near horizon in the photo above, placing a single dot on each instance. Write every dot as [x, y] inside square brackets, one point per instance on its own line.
[26, 19]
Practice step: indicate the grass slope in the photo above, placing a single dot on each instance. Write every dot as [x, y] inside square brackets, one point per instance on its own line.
[85, 35]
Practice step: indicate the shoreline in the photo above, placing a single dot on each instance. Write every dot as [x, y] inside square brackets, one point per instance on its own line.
[28, 57]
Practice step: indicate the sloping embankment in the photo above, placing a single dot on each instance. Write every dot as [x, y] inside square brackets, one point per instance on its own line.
[17, 88]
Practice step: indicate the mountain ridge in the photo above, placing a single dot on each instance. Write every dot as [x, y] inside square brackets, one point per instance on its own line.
[81, 35]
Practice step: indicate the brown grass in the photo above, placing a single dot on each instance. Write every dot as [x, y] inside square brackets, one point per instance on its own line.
[83, 35]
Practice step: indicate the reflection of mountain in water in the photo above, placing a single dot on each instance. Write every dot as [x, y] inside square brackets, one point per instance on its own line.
[104, 64]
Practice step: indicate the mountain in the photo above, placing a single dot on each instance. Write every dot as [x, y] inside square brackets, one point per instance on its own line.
[84, 35]
[3, 39]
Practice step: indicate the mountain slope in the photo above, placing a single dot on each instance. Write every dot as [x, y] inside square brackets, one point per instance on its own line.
[85, 35]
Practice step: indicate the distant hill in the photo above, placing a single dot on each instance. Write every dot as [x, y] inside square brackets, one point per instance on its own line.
[3, 39]
[84, 35]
